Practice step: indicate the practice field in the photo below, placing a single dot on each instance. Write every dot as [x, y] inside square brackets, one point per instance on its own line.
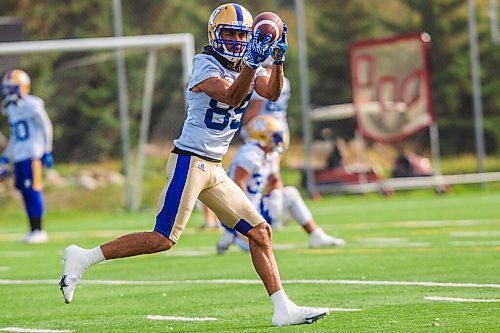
[414, 262]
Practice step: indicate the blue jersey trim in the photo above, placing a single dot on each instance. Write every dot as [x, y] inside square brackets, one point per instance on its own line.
[166, 217]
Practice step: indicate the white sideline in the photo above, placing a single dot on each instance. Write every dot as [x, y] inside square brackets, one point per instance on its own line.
[243, 281]
[175, 318]
[34, 330]
[458, 299]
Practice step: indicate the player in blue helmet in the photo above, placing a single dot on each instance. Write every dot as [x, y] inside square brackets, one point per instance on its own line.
[29, 146]
[223, 79]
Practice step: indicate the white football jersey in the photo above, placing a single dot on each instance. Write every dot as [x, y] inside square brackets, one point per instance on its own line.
[278, 109]
[31, 129]
[210, 125]
[258, 164]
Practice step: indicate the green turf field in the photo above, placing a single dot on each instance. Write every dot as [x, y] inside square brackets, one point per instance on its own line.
[414, 262]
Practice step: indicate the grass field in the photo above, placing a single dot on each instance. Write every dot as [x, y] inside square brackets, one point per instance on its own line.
[414, 262]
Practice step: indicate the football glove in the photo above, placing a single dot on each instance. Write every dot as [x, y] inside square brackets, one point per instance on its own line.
[4, 160]
[278, 53]
[258, 51]
[47, 160]
[4, 173]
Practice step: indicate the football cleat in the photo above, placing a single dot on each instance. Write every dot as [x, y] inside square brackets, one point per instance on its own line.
[298, 315]
[36, 237]
[328, 241]
[224, 242]
[321, 239]
[73, 271]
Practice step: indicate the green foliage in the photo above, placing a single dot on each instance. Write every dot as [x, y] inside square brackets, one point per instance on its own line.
[80, 89]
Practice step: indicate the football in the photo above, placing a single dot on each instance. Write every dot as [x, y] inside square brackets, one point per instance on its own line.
[268, 23]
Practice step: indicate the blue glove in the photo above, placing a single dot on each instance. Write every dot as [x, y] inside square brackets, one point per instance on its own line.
[47, 160]
[279, 50]
[4, 159]
[258, 51]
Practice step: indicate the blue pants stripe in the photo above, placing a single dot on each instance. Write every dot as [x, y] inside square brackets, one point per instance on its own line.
[166, 217]
[33, 200]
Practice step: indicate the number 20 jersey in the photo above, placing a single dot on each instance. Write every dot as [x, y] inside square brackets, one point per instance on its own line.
[210, 125]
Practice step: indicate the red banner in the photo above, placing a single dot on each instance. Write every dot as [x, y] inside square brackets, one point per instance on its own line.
[391, 86]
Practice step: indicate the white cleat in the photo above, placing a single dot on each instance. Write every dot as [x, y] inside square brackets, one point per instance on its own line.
[36, 237]
[324, 240]
[298, 315]
[73, 271]
[224, 242]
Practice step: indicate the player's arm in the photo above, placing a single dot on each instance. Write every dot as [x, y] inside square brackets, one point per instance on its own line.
[252, 110]
[45, 125]
[223, 91]
[7, 153]
[273, 182]
[270, 87]
[240, 177]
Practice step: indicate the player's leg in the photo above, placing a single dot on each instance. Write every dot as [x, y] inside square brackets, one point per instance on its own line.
[272, 207]
[234, 209]
[298, 209]
[176, 202]
[28, 179]
[209, 218]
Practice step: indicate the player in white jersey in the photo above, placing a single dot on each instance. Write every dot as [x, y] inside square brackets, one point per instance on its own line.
[254, 170]
[276, 109]
[29, 146]
[223, 78]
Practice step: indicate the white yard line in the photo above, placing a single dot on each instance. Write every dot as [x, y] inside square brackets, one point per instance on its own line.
[34, 330]
[343, 310]
[175, 318]
[486, 233]
[391, 240]
[475, 243]
[19, 254]
[247, 282]
[458, 299]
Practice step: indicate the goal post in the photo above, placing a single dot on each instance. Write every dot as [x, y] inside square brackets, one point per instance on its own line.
[151, 43]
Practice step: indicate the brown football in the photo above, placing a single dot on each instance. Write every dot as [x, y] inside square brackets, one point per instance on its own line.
[268, 23]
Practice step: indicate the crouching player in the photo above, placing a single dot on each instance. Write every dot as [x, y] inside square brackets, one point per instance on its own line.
[254, 169]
